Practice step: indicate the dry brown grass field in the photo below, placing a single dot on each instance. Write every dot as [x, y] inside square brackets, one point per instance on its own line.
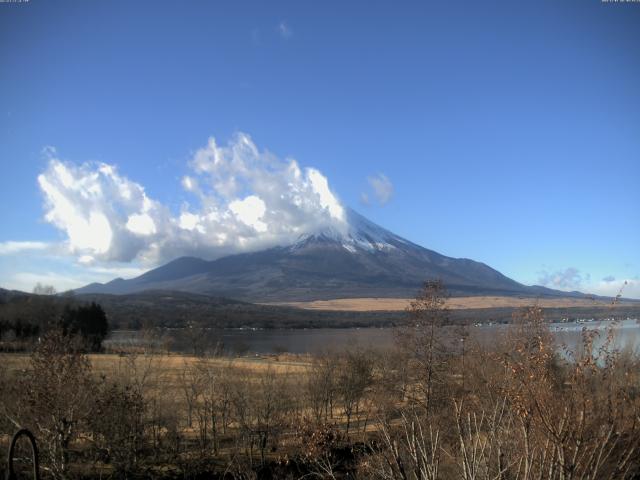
[454, 303]
[163, 371]
[172, 364]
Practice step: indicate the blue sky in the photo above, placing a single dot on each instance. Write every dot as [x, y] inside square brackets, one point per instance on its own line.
[507, 132]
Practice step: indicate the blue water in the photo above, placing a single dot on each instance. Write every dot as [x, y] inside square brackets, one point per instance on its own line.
[627, 334]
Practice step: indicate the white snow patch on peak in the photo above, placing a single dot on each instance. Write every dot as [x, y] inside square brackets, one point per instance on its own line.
[359, 234]
[384, 246]
[349, 248]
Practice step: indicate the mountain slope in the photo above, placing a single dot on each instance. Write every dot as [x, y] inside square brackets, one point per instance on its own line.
[361, 260]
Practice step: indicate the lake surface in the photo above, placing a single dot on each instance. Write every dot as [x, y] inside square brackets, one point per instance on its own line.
[627, 335]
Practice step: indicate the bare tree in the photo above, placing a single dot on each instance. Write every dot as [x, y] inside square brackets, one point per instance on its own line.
[354, 377]
[321, 386]
[212, 403]
[190, 384]
[41, 289]
[410, 451]
[58, 388]
[423, 341]
[117, 425]
[272, 404]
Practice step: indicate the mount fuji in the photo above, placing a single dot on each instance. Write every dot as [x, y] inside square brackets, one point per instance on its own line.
[361, 260]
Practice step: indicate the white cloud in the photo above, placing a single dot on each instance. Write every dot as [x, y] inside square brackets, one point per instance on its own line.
[189, 221]
[567, 279]
[103, 214]
[381, 187]
[69, 277]
[285, 30]
[320, 186]
[141, 223]
[245, 199]
[118, 271]
[250, 211]
[189, 184]
[9, 248]
[573, 279]
[25, 281]
[627, 288]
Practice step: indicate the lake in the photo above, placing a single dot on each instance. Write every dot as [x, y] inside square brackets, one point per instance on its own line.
[627, 333]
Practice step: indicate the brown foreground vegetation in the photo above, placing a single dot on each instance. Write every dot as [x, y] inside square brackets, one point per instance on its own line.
[435, 407]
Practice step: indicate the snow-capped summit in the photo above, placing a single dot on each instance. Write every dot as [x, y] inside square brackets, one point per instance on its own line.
[357, 234]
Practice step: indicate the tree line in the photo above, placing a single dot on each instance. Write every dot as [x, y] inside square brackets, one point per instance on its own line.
[26, 318]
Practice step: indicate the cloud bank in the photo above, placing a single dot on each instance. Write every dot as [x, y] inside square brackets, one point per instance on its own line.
[627, 288]
[573, 279]
[11, 247]
[245, 199]
[568, 279]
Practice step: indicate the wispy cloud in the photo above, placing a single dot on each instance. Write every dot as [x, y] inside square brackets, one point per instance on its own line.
[572, 278]
[31, 268]
[285, 30]
[121, 271]
[25, 281]
[568, 279]
[380, 187]
[10, 247]
[245, 199]
[627, 288]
